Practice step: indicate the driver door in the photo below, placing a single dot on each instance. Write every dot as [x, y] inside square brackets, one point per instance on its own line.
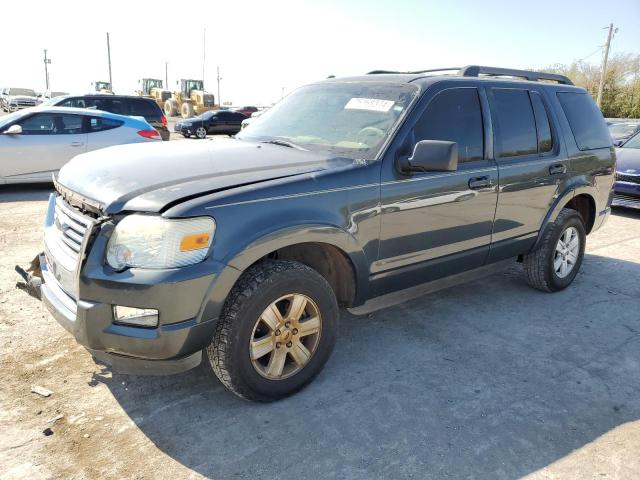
[436, 224]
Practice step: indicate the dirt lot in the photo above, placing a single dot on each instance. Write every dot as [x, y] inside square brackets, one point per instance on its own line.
[486, 380]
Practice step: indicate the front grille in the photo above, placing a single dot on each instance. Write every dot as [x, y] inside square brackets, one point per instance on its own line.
[628, 201]
[621, 177]
[70, 227]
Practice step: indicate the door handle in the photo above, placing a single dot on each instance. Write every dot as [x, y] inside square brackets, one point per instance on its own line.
[77, 144]
[557, 169]
[477, 183]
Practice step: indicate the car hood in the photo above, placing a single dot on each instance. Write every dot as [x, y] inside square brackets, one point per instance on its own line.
[148, 177]
[628, 160]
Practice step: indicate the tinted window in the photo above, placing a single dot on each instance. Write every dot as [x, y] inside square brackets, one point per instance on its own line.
[585, 120]
[454, 115]
[98, 124]
[516, 126]
[144, 108]
[545, 140]
[52, 124]
[73, 102]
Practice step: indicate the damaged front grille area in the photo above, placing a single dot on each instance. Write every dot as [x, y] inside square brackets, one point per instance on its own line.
[71, 227]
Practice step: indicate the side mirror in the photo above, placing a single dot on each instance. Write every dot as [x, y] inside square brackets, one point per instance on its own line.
[431, 156]
[14, 130]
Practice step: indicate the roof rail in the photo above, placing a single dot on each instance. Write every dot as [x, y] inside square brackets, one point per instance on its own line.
[477, 70]
[378, 72]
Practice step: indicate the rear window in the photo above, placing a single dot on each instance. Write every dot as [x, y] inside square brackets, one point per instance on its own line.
[586, 121]
[145, 108]
[99, 124]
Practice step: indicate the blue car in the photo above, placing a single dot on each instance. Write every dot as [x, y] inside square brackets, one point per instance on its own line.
[627, 186]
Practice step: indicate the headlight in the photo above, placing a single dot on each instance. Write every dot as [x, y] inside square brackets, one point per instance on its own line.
[149, 241]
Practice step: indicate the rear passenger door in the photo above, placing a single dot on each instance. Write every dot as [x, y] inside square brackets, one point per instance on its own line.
[531, 166]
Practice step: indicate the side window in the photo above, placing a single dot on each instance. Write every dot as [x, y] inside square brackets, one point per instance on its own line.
[52, 124]
[516, 133]
[41, 124]
[585, 119]
[98, 124]
[545, 138]
[74, 102]
[454, 115]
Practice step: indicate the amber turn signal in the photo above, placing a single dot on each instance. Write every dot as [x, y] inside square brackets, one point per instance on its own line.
[194, 242]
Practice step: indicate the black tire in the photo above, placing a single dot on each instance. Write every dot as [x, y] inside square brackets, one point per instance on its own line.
[201, 133]
[539, 264]
[260, 285]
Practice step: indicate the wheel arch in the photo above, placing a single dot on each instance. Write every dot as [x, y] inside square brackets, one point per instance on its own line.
[578, 197]
[329, 250]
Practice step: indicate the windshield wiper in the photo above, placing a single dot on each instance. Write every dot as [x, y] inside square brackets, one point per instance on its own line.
[284, 143]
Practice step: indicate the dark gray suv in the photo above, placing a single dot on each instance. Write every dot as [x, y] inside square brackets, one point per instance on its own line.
[242, 250]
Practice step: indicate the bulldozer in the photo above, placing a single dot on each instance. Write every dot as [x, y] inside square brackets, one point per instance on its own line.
[102, 87]
[190, 100]
[153, 88]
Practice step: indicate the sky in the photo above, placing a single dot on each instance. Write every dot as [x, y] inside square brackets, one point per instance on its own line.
[268, 48]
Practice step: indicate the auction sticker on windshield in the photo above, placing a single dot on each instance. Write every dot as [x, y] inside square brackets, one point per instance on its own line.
[374, 104]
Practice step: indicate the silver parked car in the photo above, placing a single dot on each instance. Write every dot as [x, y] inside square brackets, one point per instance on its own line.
[19, 98]
[36, 142]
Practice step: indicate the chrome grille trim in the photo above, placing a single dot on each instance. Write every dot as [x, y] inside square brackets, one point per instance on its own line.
[622, 177]
[71, 227]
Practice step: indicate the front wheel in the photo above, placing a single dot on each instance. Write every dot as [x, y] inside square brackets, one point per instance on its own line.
[201, 133]
[557, 260]
[277, 330]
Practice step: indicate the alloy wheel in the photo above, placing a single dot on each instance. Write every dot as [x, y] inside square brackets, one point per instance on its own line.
[285, 336]
[566, 253]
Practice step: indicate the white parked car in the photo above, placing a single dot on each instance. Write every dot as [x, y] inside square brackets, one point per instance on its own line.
[49, 94]
[37, 142]
[19, 98]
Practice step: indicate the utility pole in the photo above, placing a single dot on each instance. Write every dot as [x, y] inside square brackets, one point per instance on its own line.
[109, 59]
[219, 78]
[204, 53]
[166, 75]
[47, 61]
[603, 72]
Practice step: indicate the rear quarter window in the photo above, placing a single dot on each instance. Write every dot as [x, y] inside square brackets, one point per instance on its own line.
[99, 124]
[585, 119]
[145, 108]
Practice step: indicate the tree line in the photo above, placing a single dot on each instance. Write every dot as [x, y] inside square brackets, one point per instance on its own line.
[621, 94]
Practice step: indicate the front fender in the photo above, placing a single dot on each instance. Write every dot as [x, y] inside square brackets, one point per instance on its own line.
[248, 254]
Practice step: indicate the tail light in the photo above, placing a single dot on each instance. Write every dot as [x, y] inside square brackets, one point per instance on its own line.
[163, 119]
[152, 134]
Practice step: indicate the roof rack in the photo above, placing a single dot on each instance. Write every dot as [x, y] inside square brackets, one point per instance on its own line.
[477, 70]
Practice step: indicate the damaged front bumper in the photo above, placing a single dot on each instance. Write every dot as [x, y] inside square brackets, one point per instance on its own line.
[82, 300]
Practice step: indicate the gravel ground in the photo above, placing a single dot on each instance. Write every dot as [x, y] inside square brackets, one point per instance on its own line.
[485, 380]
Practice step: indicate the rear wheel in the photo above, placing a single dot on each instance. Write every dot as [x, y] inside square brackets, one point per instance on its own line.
[557, 260]
[277, 330]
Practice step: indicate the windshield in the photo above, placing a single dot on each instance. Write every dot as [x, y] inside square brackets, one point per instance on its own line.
[22, 91]
[346, 119]
[633, 142]
[193, 85]
[7, 119]
[620, 130]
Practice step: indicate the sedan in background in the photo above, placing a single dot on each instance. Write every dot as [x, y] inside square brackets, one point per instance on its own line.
[627, 186]
[37, 142]
[621, 131]
[213, 122]
[248, 111]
